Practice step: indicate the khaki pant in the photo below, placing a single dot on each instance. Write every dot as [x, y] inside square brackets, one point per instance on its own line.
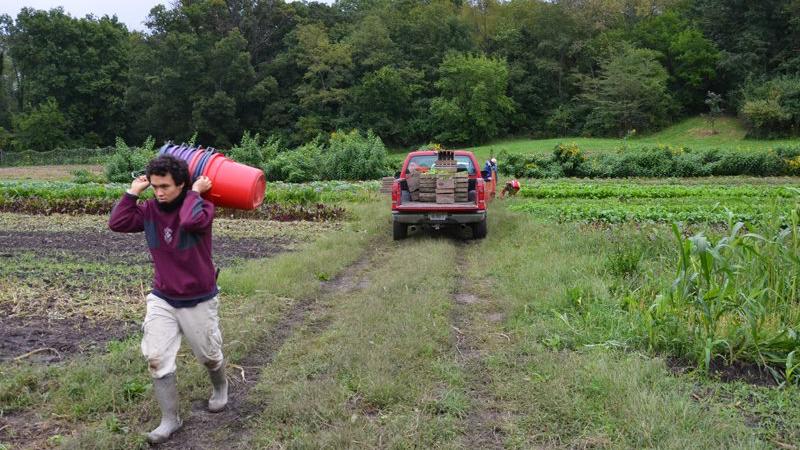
[164, 325]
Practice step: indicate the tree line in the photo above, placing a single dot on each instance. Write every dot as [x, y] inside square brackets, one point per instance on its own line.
[451, 71]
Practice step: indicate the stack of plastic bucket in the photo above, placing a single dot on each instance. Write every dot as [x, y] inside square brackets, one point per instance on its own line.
[233, 185]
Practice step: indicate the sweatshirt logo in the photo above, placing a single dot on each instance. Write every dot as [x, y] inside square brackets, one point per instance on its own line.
[168, 235]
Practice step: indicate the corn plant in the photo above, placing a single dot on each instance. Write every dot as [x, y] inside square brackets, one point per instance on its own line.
[736, 298]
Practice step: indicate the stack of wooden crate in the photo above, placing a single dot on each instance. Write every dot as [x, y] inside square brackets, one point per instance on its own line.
[427, 187]
[386, 185]
[461, 186]
[412, 180]
[445, 188]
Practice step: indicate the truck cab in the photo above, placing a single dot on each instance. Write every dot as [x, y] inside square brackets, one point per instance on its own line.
[470, 212]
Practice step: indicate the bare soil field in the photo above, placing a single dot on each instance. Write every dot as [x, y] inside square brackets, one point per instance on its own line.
[69, 285]
[46, 173]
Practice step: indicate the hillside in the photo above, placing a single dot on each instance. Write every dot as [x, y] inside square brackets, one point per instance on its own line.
[693, 133]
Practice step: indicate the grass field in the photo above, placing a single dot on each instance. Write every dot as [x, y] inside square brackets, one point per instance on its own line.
[693, 133]
[549, 333]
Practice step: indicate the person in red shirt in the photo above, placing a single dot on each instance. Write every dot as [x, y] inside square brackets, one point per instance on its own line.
[183, 301]
[511, 188]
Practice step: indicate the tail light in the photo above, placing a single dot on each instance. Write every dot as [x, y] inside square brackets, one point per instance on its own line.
[395, 194]
[481, 190]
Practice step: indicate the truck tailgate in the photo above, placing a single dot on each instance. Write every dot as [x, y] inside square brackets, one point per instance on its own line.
[438, 207]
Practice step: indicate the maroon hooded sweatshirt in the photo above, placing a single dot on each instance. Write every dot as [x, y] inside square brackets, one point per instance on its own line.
[180, 243]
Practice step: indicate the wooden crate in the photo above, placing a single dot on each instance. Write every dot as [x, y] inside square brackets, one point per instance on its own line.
[445, 183]
[413, 181]
[386, 185]
[427, 197]
[445, 198]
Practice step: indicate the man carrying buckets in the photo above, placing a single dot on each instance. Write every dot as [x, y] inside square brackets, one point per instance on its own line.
[177, 226]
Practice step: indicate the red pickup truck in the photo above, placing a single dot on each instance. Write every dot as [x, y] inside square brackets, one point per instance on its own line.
[471, 213]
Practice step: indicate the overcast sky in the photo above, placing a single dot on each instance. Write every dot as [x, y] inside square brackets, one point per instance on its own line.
[130, 12]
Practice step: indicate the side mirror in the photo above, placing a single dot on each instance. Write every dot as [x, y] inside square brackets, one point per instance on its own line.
[484, 174]
[397, 175]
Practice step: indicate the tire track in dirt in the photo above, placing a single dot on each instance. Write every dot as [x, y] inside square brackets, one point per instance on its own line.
[483, 422]
[202, 429]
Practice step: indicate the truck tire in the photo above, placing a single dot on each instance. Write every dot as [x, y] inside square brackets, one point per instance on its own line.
[479, 230]
[399, 230]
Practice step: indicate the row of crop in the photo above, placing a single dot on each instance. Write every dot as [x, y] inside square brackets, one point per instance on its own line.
[733, 298]
[568, 160]
[618, 190]
[714, 211]
[284, 212]
[288, 193]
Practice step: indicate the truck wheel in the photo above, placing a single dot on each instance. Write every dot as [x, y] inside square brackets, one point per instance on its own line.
[399, 230]
[479, 229]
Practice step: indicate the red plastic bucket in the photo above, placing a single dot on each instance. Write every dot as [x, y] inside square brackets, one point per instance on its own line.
[234, 185]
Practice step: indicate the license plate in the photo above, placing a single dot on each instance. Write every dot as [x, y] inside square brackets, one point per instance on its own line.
[439, 217]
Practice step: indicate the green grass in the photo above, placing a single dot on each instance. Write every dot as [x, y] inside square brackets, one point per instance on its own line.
[382, 374]
[692, 133]
[557, 356]
[568, 378]
[95, 392]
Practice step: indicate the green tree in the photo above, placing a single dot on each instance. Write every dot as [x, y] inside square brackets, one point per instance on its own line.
[473, 106]
[7, 77]
[539, 41]
[194, 73]
[322, 90]
[81, 63]
[755, 39]
[630, 93]
[372, 45]
[42, 128]
[386, 102]
[689, 57]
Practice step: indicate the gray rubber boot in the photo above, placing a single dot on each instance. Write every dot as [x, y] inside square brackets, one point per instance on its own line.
[166, 389]
[219, 398]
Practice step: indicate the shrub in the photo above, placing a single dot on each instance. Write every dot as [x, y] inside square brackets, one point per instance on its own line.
[660, 161]
[296, 166]
[253, 152]
[757, 164]
[127, 160]
[528, 166]
[569, 157]
[692, 164]
[773, 108]
[83, 176]
[351, 156]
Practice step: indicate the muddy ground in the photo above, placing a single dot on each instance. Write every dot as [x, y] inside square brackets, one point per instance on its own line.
[54, 337]
[124, 248]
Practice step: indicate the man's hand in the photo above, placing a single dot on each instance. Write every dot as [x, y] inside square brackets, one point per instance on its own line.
[138, 185]
[202, 185]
